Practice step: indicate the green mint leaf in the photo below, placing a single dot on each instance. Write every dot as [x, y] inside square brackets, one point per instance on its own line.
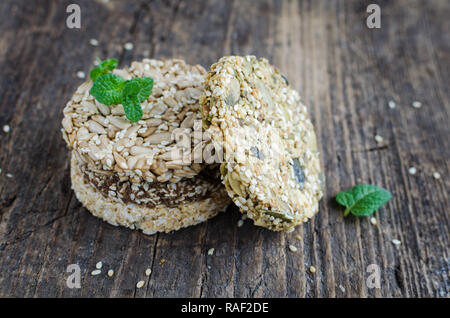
[107, 89]
[96, 73]
[103, 68]
[142, 88]
[131, 88]
[132, 108]
[146, 87]
[109, 65]
[363, 199]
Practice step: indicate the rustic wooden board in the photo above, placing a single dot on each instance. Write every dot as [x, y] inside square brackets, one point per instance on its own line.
[345, 72]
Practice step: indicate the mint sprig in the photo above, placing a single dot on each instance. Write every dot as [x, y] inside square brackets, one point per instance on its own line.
[363, 199]
[111, 89]
[103, 68]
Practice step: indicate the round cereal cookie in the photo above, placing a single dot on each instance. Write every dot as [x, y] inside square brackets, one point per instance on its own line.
[271, 166]
[202, 200]
[144, 174]
[148, 149]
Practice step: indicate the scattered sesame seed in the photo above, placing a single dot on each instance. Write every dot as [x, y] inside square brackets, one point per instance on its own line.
[240, 223]
[373, 220]
[8, 175]
[412, 170]
[93, 42]
[378, 138]
[128, 46]
[99, 265]
[396, 242]
[211, 251]
[293, 248]
[96, 272]
[6, 128]
[436, 175]
[312, 269]
[110, 273]
[81, 74]
[342, 288]
[140, 284]
[148, 271]
[298, 237]
[391, 104]
[416, 104]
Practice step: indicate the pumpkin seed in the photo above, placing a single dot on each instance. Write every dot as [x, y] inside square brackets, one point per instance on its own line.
[233, 93]
[298, 173]
[257, 153]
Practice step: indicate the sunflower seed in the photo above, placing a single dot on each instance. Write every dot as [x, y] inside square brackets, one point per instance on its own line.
[158, 138]
[95, 127]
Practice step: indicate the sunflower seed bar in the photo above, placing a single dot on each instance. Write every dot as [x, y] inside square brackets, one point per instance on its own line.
[136, 174]
[149, 219]
[105, 140]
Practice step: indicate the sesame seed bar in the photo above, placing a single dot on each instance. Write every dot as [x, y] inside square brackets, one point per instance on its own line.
[271, 167]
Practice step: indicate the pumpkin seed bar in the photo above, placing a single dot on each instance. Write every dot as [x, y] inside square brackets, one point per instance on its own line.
[271, 167]
[138, 174]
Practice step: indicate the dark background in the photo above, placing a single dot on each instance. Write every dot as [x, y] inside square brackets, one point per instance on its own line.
[344, 71]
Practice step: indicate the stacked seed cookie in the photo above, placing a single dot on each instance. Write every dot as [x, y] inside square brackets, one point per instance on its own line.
[141, 176]
[136, 174]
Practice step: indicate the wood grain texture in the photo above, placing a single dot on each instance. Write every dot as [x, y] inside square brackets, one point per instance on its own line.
[344, 71]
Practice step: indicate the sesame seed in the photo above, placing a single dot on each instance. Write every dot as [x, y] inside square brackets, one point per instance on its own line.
[298, 237]
[110, 273]
[81, 74]
[211, 251]
[312, 269]
[148, 271]
[373, 220]
[8, 175]
[412, 170]
[396, 242]
[391, 104]
[240, 223]
[293, 248]
[93, 42]
[342, 288]
[436, 175]
[6, 128]
[378, 138]
[99, 265]
[416, 104]
[96, 272]
[128, 46]
[140, 284]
